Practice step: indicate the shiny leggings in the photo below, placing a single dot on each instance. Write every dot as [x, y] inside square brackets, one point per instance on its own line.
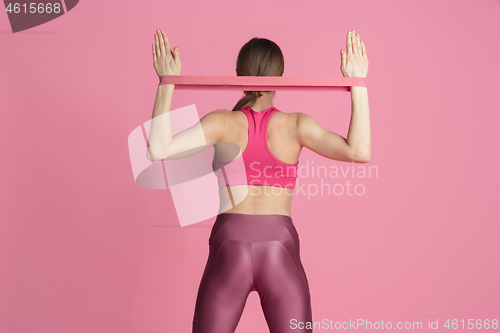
[252, 253]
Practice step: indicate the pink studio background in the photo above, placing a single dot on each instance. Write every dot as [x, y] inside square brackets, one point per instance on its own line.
[84, 249]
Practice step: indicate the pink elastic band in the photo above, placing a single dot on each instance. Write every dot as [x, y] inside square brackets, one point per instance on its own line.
[262, 83]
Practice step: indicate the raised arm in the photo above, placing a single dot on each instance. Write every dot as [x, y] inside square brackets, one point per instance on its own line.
[357, 146]
[161, 144]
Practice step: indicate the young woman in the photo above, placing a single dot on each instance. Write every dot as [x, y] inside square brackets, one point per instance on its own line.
[254, 245]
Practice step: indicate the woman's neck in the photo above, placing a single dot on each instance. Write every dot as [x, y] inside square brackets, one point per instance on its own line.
[263, 102]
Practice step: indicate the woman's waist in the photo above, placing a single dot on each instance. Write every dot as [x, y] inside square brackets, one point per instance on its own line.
[261, 213]
[258, 193]
[253, 228]
[249, 202]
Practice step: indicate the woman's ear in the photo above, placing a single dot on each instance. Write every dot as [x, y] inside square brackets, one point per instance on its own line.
[283, 74]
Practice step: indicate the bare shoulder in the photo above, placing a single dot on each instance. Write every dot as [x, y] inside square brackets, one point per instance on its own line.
[304, 121]
[219, 115]
[306, 128]
[222, 111]
[214, 124]
[298, 118]
[301, 116]
[288, 116]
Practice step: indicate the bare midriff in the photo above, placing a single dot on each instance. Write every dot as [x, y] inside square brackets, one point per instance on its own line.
[256, 200]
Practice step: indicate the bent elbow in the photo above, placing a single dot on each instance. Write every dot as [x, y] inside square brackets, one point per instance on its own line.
[362, 157]
[366, 159]
[152, 157]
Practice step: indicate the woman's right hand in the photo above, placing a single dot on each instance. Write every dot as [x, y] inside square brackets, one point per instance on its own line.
[165, 61]
[355, 62]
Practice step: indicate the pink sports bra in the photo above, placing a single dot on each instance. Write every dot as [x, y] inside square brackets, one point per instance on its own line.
[257, 165]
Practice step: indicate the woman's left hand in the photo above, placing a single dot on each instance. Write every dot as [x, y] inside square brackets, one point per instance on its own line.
[165, 60]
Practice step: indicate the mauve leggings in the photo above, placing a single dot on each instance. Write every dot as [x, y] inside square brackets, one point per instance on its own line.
[252, 253]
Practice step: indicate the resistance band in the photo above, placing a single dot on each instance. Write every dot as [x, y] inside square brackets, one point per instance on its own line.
[262, 83]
